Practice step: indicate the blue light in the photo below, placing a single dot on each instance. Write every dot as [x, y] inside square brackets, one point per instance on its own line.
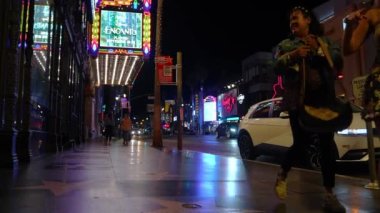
[146, 50]
[135, 4]
[233, 119]
[94, 47]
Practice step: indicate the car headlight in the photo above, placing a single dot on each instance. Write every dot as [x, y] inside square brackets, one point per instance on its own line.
[133, 132]
[354, 132]
[232, 130]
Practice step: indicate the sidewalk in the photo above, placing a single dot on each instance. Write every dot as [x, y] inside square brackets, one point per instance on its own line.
[141, 179]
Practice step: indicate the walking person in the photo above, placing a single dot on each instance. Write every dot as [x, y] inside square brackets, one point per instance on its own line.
[126, 128]
[302, 50]
[109, 124]
[360, 23]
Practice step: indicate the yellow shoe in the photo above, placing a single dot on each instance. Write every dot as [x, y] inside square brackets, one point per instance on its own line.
[281, 188]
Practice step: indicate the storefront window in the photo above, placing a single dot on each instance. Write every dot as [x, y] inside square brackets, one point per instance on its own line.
[41, 64]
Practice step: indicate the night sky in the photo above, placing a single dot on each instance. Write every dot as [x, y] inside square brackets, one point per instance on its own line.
[214, 37]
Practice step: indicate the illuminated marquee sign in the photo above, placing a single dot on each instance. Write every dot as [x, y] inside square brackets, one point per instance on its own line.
[209, 112]
[120, 29]
[41, 24]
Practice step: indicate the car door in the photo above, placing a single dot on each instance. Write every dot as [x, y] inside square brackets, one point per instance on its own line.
[265, 125]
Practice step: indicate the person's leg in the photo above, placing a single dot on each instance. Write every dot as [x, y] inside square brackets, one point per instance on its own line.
[111, 134]
[106, 130]
[299, 137]
[125, 137]
[329, 155]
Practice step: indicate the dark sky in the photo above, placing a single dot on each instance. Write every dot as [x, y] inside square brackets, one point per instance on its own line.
[215, 36]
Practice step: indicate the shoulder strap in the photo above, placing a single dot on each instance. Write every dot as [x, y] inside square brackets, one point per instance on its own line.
[325, 51]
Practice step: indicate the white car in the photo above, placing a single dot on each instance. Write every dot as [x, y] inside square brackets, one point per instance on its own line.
[265, 130]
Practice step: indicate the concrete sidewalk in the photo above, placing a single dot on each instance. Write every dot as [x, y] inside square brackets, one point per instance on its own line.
[139, 178]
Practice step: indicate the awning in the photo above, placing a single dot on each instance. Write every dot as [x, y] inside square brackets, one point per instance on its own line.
[111, 69]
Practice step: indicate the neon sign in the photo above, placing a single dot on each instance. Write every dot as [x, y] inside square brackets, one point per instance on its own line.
[227, 103]
[120, 29]
[41, 24]
[209, 105]
[276, 85]
[124, 36]
[94, 49]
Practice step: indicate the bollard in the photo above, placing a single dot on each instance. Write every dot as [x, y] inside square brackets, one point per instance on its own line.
[374, 184]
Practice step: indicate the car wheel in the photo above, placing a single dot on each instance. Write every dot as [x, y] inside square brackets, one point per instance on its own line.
[246, 147]
[314, 158]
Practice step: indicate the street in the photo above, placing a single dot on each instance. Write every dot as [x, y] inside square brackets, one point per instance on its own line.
[228, 147]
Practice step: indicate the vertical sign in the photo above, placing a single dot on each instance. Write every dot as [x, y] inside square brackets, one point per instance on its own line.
[358, 88]
[164, 66]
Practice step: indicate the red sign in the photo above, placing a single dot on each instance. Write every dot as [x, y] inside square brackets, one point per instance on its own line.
[164, 67]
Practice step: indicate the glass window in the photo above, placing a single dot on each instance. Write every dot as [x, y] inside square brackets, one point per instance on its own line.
[41, 61]
[262, 110]
[277, 109]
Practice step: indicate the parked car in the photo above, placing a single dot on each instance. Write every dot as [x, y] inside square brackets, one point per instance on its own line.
[227, 129]
[265, 129]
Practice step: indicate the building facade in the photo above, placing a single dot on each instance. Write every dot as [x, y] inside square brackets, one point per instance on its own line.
[258, 79]
[44, 69]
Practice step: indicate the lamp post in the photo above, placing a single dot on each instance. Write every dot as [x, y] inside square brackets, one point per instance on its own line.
[179, 100]
[157, 135]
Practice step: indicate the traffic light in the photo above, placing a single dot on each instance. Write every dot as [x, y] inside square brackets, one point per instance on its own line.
[103, 108]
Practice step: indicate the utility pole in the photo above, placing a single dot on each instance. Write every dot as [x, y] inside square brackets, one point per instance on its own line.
[179, 100]
[374, 184]
[157, 136]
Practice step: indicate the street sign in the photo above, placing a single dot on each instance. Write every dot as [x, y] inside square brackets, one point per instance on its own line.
[165, 69]
[150, 107]
[358, 88]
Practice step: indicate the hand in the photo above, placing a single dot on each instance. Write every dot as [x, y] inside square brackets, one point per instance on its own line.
[311, 41]
[301, 51]
[355, 16]
[367, 115]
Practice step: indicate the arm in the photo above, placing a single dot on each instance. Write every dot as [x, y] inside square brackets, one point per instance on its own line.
[285, 57]
[356, 31]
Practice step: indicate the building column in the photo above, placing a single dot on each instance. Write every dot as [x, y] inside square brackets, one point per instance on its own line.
[23, 146]
[200, 116]
[89, 110]
[8, 133]
[54, 144]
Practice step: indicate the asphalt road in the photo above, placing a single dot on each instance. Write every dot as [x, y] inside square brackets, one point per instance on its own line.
[228, 147]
